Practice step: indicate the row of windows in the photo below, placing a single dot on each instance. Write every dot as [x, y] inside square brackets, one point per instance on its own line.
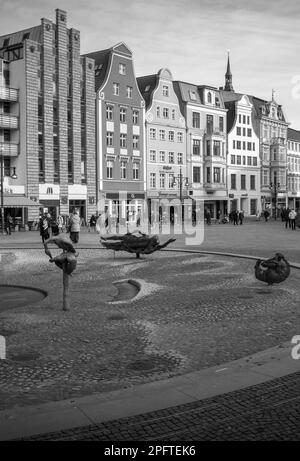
[273, 156]
[246, 131]
[294, 164]
[294, 184]
[295, 146]
[123, 140]
[233, 181]
[165, 112]
[273, 131]
[209, 122]
[245, 119]
[279, 177]
[116, 90]
[237, 159]
[163, 156]
[123, 170]
[162, 135]
[243, 145]
[166, 181]
[110, 114]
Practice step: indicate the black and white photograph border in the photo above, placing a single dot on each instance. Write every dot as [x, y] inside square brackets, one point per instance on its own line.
[149, 223]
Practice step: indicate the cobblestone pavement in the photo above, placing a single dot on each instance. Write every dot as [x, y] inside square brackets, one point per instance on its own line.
[193, 311]
[265, 412]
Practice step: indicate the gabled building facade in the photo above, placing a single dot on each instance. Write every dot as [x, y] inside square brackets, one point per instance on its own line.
[48, 128]
[120, 115]
[205, 114]
[165, 146]
[243, 160]
[293, 168]
[272, 127]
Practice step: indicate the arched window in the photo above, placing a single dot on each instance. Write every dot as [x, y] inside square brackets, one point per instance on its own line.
[209, 97]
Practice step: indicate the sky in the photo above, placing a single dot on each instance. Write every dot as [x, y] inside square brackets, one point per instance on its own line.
[190, 38]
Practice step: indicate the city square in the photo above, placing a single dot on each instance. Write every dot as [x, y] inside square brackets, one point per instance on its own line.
[190, 310]
[149, 223]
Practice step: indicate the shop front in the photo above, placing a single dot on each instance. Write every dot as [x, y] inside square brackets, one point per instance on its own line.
[18, 207]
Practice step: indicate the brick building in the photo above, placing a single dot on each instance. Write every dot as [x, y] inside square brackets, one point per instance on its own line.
[52, 123]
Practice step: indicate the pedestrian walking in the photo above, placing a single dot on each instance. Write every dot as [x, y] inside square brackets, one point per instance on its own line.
[74, 226]
[44, 227]
[219, 216]
[9, 223]
[292, 218]
[298, 218]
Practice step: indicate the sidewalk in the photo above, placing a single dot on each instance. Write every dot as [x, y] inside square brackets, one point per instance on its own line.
[187, 389]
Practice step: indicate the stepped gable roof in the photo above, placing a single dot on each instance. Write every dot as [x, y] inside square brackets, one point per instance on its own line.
[293, 135]
[33, 33]
[147, 85]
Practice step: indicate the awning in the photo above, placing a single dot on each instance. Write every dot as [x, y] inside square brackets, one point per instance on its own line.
[18, 201]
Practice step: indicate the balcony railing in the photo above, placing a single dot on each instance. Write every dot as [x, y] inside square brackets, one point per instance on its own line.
[277, 141]
[9, 94]
[9, 121]
[9, 149]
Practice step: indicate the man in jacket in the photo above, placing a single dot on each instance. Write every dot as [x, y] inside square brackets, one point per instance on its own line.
[74, 227]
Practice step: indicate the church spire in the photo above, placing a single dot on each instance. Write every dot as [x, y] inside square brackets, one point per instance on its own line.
[228, 77]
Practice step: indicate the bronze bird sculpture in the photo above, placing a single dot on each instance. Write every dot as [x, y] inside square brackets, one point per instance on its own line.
[274, 270]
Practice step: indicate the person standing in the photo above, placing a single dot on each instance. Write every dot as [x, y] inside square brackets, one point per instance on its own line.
[235, 216]
[138, 219]
[74, 226]
[241, 217]
[292, 218]
[286, 217]
[297, 222]
[219, 216]
[60, 222]
[93, 222]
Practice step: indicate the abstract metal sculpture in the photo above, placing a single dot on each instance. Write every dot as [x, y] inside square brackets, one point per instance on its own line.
[136, 242]
[66, 261]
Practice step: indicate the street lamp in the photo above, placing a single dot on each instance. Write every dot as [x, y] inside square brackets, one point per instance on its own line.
[274, 187]
[13, 176]
[182, 181]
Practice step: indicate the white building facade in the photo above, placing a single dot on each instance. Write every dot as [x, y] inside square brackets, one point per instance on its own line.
[244, 186]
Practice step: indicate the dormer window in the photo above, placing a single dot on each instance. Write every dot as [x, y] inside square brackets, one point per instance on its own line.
[192, 95]
[209, 98]
[147, 88]
[217, 102]
[273, 112]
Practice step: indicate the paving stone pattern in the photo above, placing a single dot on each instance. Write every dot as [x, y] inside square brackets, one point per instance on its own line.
[265, 412]
[192, 312]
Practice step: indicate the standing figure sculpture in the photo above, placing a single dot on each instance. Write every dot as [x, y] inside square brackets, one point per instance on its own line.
[66, 261]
